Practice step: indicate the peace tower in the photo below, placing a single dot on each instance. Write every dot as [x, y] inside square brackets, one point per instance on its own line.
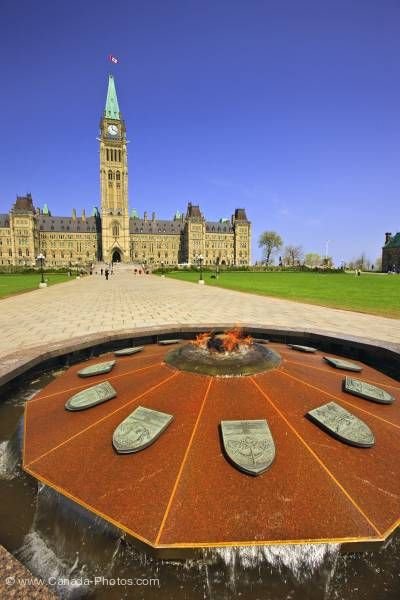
[114, 181]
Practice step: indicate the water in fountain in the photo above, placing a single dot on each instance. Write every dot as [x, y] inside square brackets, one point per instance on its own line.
[68, 545]
[10, 455]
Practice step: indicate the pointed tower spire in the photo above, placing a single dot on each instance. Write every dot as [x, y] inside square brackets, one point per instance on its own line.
[112, 109]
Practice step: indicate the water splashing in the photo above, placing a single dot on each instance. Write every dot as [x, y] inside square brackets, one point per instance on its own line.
[302, 560]
[8, 461]
[39, 557]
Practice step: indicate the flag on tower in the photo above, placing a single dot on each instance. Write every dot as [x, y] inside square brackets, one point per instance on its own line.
[113, 59]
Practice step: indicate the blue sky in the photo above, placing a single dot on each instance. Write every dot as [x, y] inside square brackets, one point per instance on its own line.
[287, 108]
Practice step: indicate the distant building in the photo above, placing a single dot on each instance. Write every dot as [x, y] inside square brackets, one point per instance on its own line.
[114, 233]
[391, 253]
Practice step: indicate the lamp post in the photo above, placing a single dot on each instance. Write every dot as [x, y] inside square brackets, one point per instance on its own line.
[200, 258]
[217, 267]
[162, 269]
[41, 257]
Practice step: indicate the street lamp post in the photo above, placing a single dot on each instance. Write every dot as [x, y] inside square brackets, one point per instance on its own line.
[41, 257]
[217, 267]
[200, 258]
[162, 269]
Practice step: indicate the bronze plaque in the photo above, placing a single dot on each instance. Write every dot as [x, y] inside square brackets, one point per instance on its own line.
[140, 429]
[302, 348]
[342, 425]
[97, 369]
[249, 445]
[168, 342]
[128, 351]
[367, 391]
[342, 364]
[91, 396]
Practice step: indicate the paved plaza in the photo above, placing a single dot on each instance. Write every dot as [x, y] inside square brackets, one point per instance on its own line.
[89, 308]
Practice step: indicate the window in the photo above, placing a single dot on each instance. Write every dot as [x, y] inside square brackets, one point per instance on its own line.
[117, 176]
[110, 175]
[119, 155]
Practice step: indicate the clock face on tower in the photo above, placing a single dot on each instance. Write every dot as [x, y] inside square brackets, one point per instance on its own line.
[112, 129]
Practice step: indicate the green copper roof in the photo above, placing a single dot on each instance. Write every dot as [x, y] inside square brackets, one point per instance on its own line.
[134, 214]
[394, 241]
[112, 108]
[95, 212]
[45, 210]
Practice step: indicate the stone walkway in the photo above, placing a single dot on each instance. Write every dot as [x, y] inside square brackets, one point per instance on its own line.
[84, 307]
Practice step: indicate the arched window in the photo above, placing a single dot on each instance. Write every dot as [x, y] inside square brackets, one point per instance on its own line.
[108, 158]
[119, 155]
[27, 252]
[110, 175]
[117, 176]
[20, 252]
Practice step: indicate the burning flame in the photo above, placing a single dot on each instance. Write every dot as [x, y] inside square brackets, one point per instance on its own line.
[235, 338]
[227, 342]
[202, 340]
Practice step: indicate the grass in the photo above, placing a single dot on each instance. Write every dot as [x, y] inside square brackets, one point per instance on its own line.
[370, 293]
[17, 283]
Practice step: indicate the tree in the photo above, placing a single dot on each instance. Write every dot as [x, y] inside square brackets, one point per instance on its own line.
[312, 259]
[293, 255]
[327, 261]
[378, 263]
[270, 242]
[363, 263]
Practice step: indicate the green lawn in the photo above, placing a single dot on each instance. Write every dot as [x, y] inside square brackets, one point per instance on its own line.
[370, 293]
[16, 283]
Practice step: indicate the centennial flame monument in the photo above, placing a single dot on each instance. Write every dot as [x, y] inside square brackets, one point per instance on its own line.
[239, 451]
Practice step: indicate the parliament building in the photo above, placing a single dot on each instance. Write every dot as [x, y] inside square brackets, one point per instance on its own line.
[113, 233]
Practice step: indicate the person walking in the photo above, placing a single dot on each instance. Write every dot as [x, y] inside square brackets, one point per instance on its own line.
[106, 274]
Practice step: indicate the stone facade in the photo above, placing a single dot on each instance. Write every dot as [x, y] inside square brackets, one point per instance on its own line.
[391, 253]
[114, 234]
